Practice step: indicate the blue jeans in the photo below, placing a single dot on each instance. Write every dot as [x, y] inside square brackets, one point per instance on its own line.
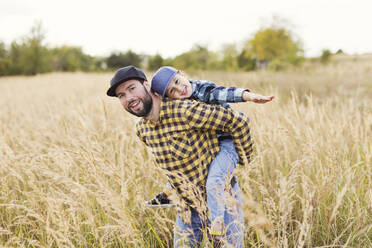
[220, 170]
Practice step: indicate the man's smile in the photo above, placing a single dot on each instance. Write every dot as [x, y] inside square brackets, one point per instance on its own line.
[134, 104]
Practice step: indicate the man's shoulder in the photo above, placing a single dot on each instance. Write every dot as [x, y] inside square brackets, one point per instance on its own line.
[177, 103]
[140, 124]
[177, 110]
[142, 130]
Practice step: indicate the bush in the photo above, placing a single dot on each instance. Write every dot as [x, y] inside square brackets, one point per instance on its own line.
[246, 61]
[118, 60]
[276, 43]
[326, 56]
[198, 58]
[68, 58]
[155, 62]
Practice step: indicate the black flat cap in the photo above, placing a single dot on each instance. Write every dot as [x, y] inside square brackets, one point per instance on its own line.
[122, 75]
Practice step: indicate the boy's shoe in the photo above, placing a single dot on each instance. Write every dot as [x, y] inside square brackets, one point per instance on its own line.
[161, 200]
[216, 240]
[215, 232]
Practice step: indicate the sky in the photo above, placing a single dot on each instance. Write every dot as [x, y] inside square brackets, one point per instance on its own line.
[171, 27]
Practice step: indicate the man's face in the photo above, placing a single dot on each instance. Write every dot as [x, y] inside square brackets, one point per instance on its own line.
[134, 97]
[179, 87]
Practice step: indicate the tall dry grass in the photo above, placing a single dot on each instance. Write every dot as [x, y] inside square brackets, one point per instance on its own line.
[73, 173]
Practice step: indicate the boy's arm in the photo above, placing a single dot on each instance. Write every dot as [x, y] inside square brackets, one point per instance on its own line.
[256, 98]
[215, 117]
[210, 93]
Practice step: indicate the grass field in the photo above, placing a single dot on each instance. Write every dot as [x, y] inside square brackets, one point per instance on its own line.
[74, 174]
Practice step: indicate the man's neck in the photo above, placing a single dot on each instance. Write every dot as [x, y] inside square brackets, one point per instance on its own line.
[153, 116]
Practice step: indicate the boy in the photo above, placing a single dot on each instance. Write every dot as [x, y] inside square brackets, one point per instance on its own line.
[169, 82]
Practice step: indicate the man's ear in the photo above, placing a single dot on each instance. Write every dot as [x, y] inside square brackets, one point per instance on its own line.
[147, 85]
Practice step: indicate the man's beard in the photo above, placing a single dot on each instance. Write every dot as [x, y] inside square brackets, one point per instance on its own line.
[147, 105]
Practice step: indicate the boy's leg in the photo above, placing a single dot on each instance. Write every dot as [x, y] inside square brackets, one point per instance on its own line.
[188, 235]
[220, 171]
[234, 218]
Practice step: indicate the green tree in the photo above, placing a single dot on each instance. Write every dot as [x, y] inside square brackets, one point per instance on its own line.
[28, 55]
[276, 43]
[4, 61]
[326, 56]
[36, 57]
[155, 62]
[3, 51]
[198, 58]
[16, 58]
[117, 60]
[246, 60]
[229, 57]
[68, 58]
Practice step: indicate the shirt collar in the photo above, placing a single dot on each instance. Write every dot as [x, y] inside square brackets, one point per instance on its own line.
[163, 107]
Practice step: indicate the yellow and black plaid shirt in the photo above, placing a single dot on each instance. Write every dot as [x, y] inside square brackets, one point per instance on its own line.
[184, 142]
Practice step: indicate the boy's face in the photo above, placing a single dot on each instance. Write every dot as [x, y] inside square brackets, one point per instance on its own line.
[179, 88]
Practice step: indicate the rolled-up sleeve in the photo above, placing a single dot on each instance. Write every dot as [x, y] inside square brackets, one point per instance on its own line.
[209, 92]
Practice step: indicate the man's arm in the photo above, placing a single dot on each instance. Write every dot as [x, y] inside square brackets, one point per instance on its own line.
[138, 133]
[214, 117]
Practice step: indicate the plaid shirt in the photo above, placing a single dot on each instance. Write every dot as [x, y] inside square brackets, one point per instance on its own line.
[209, 92]
[184, 143]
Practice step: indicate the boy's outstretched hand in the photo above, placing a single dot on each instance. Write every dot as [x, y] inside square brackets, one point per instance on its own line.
[257, 98]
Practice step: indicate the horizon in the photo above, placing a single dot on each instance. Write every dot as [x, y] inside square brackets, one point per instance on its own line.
[169, 30]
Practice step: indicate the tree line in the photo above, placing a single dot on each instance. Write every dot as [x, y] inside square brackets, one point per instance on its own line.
[273, 47]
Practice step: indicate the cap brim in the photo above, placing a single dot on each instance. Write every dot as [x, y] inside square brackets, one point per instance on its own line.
[111, 91]
[168, 82]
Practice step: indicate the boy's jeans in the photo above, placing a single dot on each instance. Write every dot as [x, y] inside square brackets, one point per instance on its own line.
[219, 172]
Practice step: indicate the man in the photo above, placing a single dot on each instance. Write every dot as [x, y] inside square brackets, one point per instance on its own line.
[182, 136]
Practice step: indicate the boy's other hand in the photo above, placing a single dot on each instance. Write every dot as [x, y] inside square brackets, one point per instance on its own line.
[256, 98]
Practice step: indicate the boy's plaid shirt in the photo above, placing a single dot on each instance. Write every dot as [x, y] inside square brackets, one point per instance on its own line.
[184, 142]
[209, 92]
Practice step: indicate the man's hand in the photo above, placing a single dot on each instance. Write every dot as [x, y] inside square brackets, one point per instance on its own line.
[257, 98]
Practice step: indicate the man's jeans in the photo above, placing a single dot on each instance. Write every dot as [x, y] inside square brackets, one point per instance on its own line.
[220, 203]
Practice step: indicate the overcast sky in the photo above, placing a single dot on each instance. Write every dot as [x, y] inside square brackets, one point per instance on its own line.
[170, 27]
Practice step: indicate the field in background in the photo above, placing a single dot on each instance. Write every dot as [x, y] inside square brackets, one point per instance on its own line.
[74, 174]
